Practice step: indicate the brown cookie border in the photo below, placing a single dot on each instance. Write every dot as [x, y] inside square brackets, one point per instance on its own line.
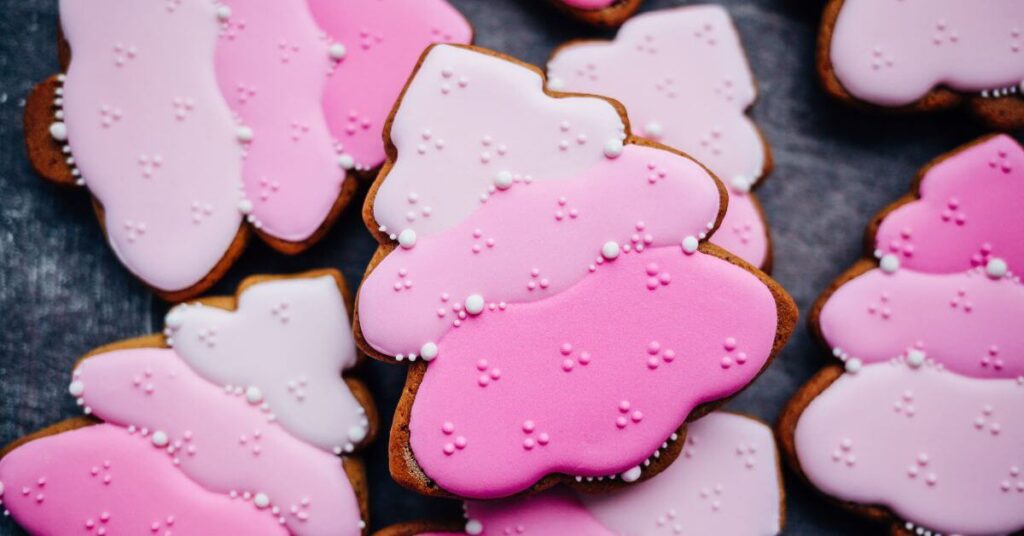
[769, 160]
[999, 113]
[607, 17]
[46, 156]
[404, 468]
[415, 528]
[785, 427]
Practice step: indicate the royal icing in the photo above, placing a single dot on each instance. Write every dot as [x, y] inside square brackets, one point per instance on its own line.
[727, 482]
[941, 450]
[683, 76]
[109, 481]
[893, 52]
[521, 286]
[589, 4]
[247, 404]
[923, 421]
[377, 44]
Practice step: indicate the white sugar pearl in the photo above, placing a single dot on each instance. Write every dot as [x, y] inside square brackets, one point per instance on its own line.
[429, 351]
[996, 268]
[356, 434]
[59, 131]
[613, 148]
[245, 134]
[475, 304]
[254, 395]
[407, 238]
[503, 181]
[474, 527]
[741, 184]
[76, 388]
[346, 162]
[261, 500]
[889, 264]
[915, 358]
[556, 84]
[159, 438]
[173, 319]
[610, 250]
[337, 51]
[690, 244]
[245, 206]
[854, 365]
[653, 129]
[632, 475]
[223, 12]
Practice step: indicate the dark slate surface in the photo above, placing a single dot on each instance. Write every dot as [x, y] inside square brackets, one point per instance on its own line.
[63, 293]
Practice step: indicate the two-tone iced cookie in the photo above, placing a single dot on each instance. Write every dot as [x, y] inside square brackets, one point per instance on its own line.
[923, 424]
[927, 56]
[548, 276]
[727, 483]
[684, 79]
[189, 119]
[231, 422]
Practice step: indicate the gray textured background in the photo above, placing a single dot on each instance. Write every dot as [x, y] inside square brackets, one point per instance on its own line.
[62, 292]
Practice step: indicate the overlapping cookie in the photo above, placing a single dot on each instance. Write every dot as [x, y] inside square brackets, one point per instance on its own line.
[925, 56]
[727, 483]
[684, 79]
[600, 13]
[188, 118]
[923, 425]
[232, 422]
[548, 276]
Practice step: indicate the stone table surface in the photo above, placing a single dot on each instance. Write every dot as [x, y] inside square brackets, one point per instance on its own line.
[63, 293]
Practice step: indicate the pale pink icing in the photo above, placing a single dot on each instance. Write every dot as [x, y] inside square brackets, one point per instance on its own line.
[589, 4]
[893, 52]
[383, 40]
[465, 118]
[968, 322]
[109, 481]
[645, 198]
[303, 319]
[968, 212]
[271, 64]
[218, 440]
[168, 183]
[727, 483]
[684, 78]
[605, 371]
[941, 450]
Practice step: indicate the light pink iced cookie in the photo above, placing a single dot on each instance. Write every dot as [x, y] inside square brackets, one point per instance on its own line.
[927, 55]
[726, 483]
[924, 425]
[376, 46]
[528, 230]
[684, 79]
[247, 405]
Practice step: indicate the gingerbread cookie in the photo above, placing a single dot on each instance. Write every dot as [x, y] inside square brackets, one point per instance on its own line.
[600, 13]
[521, 231]
[231, 421]
[684, 79]
[726, 483]
[927, 56]
[188, 118]
[922, 426]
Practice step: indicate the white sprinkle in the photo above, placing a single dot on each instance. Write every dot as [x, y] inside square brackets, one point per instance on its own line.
[475, 304]
[429, 351]
[245, 134]
[632, 475]
[555, 83]
[76, 388]
[690, 244]
[613, 148]
[854, 365]
[173, 319]
[253, 394]
[346, 162]
[59, 131]
[889, 263]
[474, 527]
[741, 184]
[357, 434]
[407, 238]
[159, 438]
[337, 51]
[223, 12]
[996, 268]
[503, 181]
[915, 358]
[245, 206]
[653, 129]
[610, 250]
[261, 500]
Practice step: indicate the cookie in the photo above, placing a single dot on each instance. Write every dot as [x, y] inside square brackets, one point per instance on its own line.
[231, 420]
[926, 56]
[187, 119]
[547, 275]
[728, 482]
[921, 425]
[684, 79]
[599, 13]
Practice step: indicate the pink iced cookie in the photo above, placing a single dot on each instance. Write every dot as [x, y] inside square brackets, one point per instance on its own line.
[376, 45]
[727, 483]
[588, 4]
[894, 52]
[110, 481]
[940, 450]
[684, 79]
[271, 64]
[519, 286]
